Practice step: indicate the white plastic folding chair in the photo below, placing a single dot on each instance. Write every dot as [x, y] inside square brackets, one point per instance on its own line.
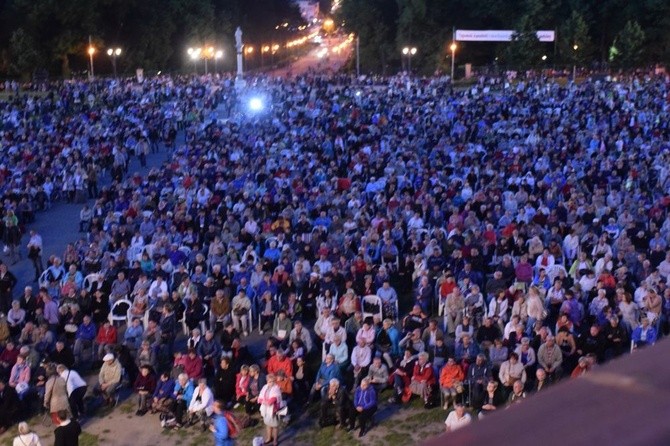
[120, 311]
[371, 306]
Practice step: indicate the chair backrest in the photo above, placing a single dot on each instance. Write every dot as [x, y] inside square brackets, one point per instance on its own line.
[120, 309]
[371, 305]
[90, 279]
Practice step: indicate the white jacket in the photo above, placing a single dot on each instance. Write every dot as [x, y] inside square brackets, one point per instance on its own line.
[206, 402]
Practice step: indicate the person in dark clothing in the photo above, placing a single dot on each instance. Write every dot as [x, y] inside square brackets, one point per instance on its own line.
[616, 338]
[228, 335]
[592, 343]
[9, 406]
[336, 407]
[145, 386]
[68, 432]
[224, 382]
[492, 399]
[62, 354]
[7, 284]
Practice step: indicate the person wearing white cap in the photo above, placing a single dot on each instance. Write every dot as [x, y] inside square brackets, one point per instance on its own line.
[109, 378]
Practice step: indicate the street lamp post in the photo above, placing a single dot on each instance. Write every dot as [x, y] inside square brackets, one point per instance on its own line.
[114, 53]
[194, 54]
[248, 51]
[409, 52]
[264, 49]
[218, 55]
[91, 52]
[575, 47]
[453, 48]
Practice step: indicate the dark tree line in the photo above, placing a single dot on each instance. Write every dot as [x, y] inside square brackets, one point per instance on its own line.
[52, 35]
[621, 33]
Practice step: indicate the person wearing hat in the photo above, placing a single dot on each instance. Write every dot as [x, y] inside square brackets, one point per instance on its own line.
[109, 378]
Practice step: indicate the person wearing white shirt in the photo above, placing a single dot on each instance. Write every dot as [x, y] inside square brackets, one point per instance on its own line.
[361, 356]
[157, 288]
[457, 418]
[664, 267]
[25, 437]
[76, 389]
[201, 405]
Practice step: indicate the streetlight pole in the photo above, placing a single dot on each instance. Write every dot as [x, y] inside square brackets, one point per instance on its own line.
[409, 52]
[575, 47]
[114, 53]
[91, 52]
[218, 55]
[453, 47]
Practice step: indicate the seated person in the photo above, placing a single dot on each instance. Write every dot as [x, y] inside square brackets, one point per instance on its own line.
[106, 339]
[423, 379]
[181, 398]
[9, 406]
[365, 406]
[491, 400]
[201, 406]
[328, 370]
[162, 397]
[335, 405]
[109, 378]
[457, 418]
[451, 381]
[378, 373]
[19, 378]
[145, 386]
[401, 377]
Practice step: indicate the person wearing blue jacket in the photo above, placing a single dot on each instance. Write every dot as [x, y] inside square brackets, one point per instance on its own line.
[644, 334]
[220, 427]
[162, 398]
[84, 338]
[328, 370]
[182, 394]
[365, 406]
[387, 342]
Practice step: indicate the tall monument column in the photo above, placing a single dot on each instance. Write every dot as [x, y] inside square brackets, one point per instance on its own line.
[239, 46]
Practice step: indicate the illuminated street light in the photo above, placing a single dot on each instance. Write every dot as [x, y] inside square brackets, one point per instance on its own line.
[114, 53]
[544, 57]
[409, 52]
[91, 52]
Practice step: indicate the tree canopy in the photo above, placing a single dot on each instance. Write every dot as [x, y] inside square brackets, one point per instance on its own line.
[637, 30]
[154, 34]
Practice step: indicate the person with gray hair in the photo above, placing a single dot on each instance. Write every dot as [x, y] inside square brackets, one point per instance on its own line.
[26, 437]
[336, 406]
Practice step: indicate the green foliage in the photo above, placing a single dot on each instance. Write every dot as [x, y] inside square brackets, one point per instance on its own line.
[575, 33]
[524, 51]
[629, 45]
[154, 34]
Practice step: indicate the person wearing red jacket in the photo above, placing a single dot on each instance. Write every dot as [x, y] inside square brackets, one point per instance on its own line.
[106, 339]
[193, 365]
[279, 361]
[423, 379]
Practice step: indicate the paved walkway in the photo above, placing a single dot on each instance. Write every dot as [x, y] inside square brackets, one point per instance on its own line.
[59, 226]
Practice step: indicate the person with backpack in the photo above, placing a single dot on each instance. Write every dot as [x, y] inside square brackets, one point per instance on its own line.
[225, 427]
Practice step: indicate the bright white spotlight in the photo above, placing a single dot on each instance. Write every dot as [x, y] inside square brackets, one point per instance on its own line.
[255, 104]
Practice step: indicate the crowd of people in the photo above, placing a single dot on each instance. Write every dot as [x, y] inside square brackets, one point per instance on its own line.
[382, 235]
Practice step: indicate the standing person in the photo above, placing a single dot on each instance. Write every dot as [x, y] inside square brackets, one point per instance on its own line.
[55, 395]
[68, 431]
[7, 284]
[12, 236]
[76, 390]
[220, 428]
[270, 400]
[25, 437]
[35, 253]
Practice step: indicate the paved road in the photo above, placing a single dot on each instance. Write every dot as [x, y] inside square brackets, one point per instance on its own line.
[321, 59]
